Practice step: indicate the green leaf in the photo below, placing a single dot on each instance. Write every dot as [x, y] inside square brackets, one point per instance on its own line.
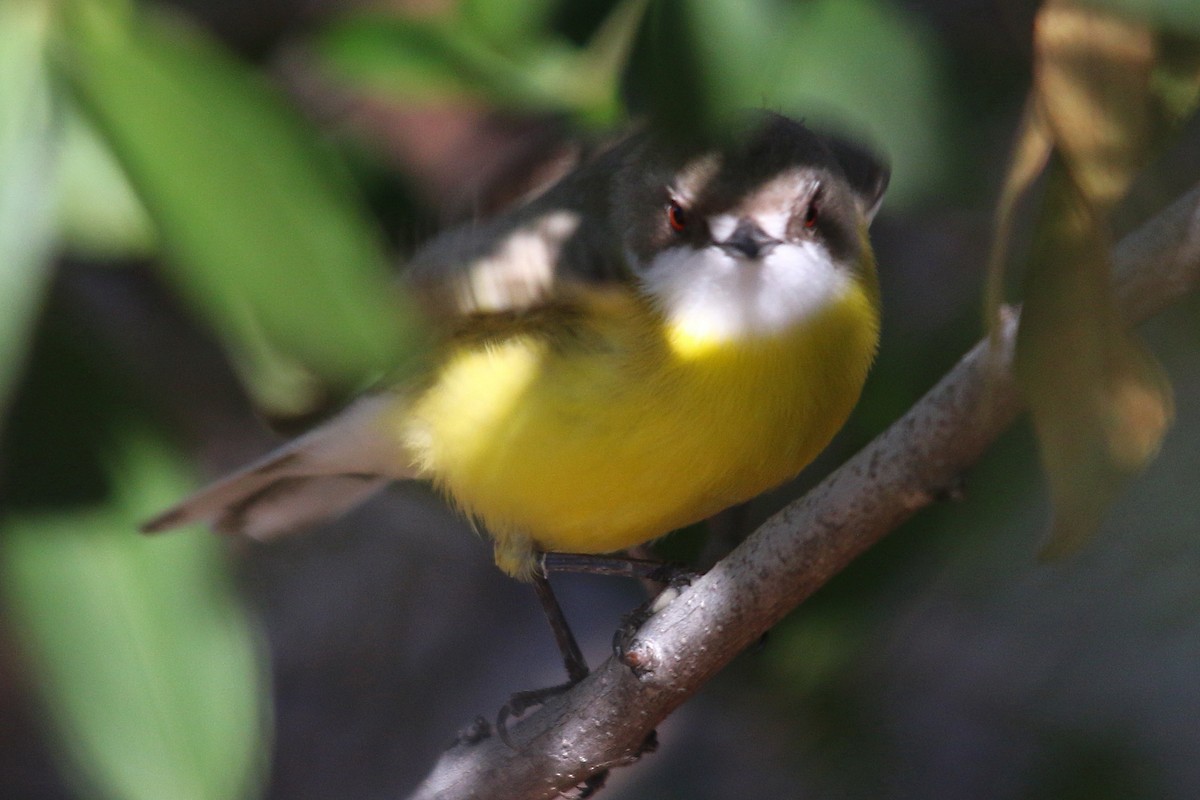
[694, 62]
[408, 59]
[422, 58]
[1181, 16]
[856, 64]
[1175, 82]
[28, 175]
[507, 23]
[868, 66]
[739, 47]
[596, 72]
[100, 216]
[261, 231]
[148, 667]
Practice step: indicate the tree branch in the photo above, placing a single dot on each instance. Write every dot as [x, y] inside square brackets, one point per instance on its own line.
[603, 721]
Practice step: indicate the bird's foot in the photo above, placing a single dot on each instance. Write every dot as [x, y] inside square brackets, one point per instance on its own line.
[521, 702]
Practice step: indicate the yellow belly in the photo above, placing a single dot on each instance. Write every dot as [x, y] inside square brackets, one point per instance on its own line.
[614, 430]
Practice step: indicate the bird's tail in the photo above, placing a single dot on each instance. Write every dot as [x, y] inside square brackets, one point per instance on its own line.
[315, 477]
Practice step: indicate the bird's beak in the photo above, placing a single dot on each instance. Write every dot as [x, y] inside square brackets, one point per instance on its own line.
[748, 240]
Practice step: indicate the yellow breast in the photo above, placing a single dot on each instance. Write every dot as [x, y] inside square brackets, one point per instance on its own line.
[606, 429]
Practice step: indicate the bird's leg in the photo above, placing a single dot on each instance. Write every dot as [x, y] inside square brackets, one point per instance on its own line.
[670, 577]
[573, 660]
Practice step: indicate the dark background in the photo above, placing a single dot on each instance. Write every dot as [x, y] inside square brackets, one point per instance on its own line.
[947, 662]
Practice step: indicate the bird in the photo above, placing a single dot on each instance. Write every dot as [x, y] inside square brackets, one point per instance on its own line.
[673, 327]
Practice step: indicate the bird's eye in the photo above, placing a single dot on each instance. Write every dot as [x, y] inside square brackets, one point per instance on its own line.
[811, 215]
[676, 216]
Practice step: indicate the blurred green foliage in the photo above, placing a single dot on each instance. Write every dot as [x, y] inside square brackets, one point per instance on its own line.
[27, 159]
[1177, 16]
[856, 66]
[499, 52]
[852, 64]
[125, 133]
[258, 226]
[151, 672]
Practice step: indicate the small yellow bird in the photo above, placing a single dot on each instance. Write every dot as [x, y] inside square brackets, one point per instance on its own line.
[665, 332]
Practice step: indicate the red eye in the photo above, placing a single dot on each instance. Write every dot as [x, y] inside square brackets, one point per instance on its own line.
[811, 215]
[676, 217]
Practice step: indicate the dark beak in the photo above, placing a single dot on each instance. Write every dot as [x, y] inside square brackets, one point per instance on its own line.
[749, 240]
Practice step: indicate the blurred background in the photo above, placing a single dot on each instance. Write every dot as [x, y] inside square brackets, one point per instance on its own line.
[203, 205]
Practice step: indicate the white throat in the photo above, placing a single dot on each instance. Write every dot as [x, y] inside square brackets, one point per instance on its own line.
[710, 295]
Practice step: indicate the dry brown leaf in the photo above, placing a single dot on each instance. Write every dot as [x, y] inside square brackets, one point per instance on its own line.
[1100, 403]
[1092, 80]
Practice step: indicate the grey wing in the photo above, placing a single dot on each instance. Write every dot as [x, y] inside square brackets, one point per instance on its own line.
[559, 242]
[312, 478]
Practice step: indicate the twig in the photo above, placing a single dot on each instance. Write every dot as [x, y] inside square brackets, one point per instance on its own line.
[604, 721]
